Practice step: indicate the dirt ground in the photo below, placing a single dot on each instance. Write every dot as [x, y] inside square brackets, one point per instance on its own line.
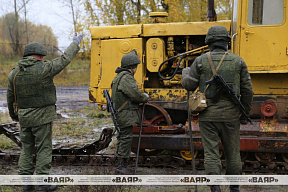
[74, 98]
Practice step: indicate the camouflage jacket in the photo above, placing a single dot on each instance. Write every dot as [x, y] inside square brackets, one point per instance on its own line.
[223, 110]
[31, 117]
[127, 86]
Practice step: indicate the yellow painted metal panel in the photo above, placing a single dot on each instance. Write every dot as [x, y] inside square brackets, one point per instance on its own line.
[174, 95]
[155, 50]
[109, 55]
[270, 84]
[172, 29]
[263, 47]
[95, 63]
[119, 31]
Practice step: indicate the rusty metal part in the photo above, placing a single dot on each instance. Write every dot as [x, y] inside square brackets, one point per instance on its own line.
[250, 165]
[187, 154]
[11, 131]
[174, 129]
[268, 108]
[155, 115]
[86, 155]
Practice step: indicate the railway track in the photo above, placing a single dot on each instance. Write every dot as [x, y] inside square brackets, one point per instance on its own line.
[87, 155]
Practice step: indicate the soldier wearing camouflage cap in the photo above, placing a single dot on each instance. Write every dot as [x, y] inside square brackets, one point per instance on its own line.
[126, 98]
[220, 121]
[31, 98]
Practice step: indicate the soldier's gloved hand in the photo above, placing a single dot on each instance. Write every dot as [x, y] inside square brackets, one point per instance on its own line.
[185, 71]
[77, 38]
[15, 119]
[146, 94]
[243, 120]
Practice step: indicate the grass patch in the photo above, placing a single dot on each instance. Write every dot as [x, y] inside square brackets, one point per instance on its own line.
[83, 125]
[7, 144]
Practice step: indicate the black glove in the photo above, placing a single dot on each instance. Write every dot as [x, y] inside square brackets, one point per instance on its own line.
[243, 120]
[15, 118]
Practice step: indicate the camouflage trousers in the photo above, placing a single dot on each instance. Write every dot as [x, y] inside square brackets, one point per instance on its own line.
[39, 140]
[228, 133]
[124, 141]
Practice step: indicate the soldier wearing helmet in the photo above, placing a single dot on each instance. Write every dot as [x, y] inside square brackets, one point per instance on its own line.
[126, 98]
[31, 98]
[220, 121]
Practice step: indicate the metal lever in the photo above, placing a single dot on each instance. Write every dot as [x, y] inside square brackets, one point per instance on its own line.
[248, 32]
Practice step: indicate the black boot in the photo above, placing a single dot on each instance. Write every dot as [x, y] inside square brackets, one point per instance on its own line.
[27, 188]
[215, 188]
[234, 188]
[46, 188]
[122, 167]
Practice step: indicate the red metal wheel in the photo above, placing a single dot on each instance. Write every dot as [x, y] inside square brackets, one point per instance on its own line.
[155, 115]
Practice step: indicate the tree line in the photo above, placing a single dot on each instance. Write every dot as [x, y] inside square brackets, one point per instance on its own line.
[123, 12]
[15, 32]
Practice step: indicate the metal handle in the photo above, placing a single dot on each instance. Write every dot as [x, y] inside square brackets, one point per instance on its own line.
[248, 32]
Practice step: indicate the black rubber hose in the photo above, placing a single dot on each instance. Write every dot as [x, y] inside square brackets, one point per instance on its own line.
[174, 73]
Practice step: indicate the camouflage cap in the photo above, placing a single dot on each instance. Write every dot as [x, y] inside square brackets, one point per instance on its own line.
[34, 49]
[130, 60]
[217, 33]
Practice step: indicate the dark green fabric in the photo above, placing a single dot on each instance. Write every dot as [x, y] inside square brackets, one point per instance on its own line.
[39, 138]
[124, 141]
[223, 110]
[30, 90]
[129, 60]
[217, 33]
[34, 49]
[228, 133]
[119, 97]
[36, 116]
[127, 88]
[229, 71]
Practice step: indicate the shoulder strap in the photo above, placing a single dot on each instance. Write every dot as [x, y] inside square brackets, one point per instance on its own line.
[212, 66]
[127, 101]
[211, 63]
[15, 97]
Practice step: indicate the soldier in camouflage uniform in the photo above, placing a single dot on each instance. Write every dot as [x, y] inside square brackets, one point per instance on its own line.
[31, 98]
[220, 121]
[126, 98]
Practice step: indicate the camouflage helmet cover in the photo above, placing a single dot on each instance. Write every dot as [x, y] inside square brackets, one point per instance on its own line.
[130, 59]
[217, 33]
[34, 49]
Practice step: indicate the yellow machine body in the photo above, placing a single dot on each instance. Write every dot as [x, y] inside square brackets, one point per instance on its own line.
[259, 35]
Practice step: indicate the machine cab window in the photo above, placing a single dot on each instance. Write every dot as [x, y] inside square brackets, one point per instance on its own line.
[265, 12]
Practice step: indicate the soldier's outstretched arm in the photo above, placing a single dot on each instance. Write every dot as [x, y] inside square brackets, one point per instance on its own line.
[52, 68]
[191, 76]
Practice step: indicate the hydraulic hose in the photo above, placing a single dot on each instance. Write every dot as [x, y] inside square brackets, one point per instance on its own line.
[182, 55]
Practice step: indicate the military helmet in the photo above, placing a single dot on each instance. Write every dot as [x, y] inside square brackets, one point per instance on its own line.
[217, 33]
[34, 49]
[130, 60]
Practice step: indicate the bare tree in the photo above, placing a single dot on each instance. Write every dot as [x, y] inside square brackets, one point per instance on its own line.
[14, 28]
[137, 3]
[16, 39]
[25, 20]
[73, 15]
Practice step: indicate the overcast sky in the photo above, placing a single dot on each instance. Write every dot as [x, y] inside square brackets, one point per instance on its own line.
[48, 12]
